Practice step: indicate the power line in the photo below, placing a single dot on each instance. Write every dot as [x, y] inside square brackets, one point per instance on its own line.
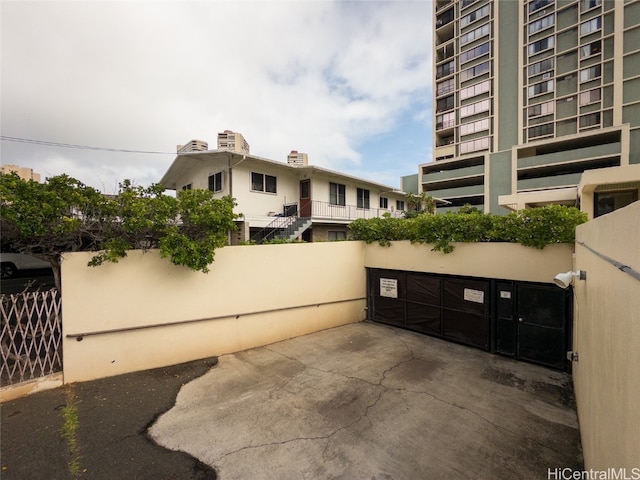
[81, 147]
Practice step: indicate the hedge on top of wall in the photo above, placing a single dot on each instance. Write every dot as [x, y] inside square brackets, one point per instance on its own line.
[535, 227]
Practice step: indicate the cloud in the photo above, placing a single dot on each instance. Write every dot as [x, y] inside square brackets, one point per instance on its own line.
[321, 77]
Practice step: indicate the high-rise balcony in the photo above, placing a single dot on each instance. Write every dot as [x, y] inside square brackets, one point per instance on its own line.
[445, 18]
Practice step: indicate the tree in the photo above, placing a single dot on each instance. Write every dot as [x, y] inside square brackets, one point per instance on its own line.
[419, 204]
[63, 215]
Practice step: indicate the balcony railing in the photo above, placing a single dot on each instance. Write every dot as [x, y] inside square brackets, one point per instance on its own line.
[326, 210]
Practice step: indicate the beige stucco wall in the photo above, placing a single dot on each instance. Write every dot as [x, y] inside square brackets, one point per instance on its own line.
[625, 178]
[508, 261]
[607, 340]
[256, 294]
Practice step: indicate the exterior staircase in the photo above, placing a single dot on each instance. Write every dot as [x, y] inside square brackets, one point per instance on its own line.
[283, 228]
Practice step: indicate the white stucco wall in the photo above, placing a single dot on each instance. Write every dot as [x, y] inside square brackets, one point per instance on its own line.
[256, 204]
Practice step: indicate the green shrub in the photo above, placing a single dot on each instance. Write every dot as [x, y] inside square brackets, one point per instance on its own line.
[382, 230]
[536, 227]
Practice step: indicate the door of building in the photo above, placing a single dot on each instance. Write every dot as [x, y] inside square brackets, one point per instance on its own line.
[305, 198]
[543, 324]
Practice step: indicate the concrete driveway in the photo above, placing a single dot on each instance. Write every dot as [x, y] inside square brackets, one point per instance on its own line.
[366, 401]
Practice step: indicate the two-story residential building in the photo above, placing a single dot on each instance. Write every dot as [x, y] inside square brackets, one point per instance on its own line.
[309, 202]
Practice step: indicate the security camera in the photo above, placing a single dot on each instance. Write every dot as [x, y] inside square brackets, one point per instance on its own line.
[563, 280]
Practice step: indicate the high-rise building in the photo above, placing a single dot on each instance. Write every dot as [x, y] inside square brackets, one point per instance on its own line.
[233, 141]
[23, 172]
[193, 146]
[529, 95]
[298, 159]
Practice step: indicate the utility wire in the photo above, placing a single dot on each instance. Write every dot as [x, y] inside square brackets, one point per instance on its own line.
[82, 147]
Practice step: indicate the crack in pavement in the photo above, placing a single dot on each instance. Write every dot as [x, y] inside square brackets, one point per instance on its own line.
[383, 388]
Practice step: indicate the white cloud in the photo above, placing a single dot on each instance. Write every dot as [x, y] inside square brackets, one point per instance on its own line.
[321, 77]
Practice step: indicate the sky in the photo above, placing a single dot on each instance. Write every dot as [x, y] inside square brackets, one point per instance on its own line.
[347, 82]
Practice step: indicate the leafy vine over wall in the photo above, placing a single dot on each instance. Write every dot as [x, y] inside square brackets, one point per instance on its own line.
[535, 227]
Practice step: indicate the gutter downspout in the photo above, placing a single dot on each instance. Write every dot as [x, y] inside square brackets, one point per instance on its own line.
[244, 157]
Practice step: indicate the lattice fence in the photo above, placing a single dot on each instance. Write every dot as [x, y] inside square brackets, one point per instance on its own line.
[31, 336]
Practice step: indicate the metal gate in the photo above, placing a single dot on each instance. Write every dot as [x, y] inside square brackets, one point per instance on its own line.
[456, 309]
[30, 336]
[527, 321]
[534, 323]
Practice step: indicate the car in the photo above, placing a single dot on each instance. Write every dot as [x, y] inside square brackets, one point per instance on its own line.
[11, 263]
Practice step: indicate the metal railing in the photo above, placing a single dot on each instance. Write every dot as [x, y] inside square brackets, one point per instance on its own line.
[30, 336]
[326, 210]
[285, 226]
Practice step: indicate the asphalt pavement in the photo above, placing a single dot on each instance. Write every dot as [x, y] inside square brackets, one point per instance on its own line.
[362, 401]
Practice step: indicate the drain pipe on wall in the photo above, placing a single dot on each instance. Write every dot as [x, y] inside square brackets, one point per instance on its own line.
[244, 157]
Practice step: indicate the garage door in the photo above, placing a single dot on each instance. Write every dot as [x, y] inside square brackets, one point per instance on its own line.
[527, 321]
[452, 308]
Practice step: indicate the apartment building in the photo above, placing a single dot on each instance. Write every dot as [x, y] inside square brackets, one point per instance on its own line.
[233, 141]
[25, 173]
[282, 200]
[298, 158]
[529, 95]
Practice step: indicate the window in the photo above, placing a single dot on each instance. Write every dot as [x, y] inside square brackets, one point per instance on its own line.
[445, 69]
[475, 89]
[400, 205]
[445, 87]
[540, 109]
[607, 202]
[590, 120]
[591, 49]
[541, 24]
[334, 235]
[215, 182]
[541, 130]
[475, 15]
[187, 187]
[474, 145]
[539, 67]
[475, 34]
[540, 88]
[263, 183]
[537, 4]
[590, 26]
[446, 120]
[474, 71]
[590, 96]
[337, 194]
[474, 108]
[446, 103]
[474, 127]
[445, 18]
[362, 198]
[540, 45]
[588, 4]
[384, 202]
[474, 52]
[590, 73]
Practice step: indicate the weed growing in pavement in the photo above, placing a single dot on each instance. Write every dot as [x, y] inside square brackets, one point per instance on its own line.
[68, 431]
